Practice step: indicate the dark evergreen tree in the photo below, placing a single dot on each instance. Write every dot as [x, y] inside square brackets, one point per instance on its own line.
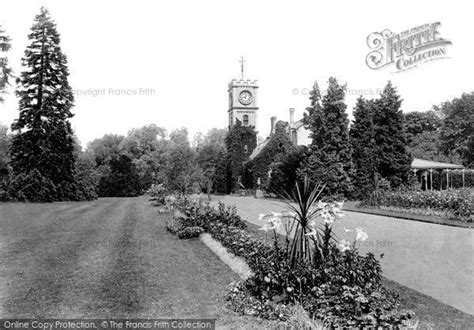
[285, 169]
[43, 139]
[5, 70]
[123, 180]
[240, 142]
[221, 174]
[393, 158]
[210, 155]
[363, 145]
[330, 153]
[278, 143]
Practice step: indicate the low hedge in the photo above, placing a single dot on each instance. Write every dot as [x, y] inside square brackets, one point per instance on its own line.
[454, 203]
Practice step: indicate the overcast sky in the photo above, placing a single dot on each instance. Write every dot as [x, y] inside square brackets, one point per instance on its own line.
[179, 56]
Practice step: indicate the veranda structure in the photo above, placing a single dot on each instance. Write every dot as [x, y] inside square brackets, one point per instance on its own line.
[423, 169]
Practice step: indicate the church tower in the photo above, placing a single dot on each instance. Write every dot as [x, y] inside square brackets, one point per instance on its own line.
[243, 100]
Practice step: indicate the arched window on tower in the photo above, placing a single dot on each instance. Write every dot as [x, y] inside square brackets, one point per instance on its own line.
[246, 120]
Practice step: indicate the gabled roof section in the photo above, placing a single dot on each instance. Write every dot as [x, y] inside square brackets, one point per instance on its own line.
[418, 163]
[297, 124]
[258, 149]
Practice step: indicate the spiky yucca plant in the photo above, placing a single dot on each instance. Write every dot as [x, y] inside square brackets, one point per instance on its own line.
[307, 240]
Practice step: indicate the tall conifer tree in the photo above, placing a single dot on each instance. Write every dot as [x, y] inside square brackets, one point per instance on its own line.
[363, 146]
[330, 153]
[43, 138]
[393, 157]
[5, 70]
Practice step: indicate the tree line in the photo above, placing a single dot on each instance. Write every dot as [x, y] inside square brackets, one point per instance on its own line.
[41, 159]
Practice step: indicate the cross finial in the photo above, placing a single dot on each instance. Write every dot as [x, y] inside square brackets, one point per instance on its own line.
[242, 62]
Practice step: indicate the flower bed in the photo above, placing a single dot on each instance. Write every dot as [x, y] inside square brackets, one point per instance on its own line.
[337, 285]
[453, 204]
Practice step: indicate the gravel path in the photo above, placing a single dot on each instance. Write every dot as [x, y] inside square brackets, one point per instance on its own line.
[106, 258]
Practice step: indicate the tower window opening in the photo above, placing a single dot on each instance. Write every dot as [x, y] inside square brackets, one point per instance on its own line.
[246, 120]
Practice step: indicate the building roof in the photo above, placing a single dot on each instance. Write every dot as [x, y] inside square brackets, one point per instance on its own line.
[297, 124]
[428, 164]
[258, 148]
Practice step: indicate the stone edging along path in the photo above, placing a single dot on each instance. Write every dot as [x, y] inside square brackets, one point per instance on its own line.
[237, 264]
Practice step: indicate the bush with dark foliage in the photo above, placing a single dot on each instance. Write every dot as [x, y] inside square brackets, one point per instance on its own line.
[122, 181]
[190, 232]
[278, 143]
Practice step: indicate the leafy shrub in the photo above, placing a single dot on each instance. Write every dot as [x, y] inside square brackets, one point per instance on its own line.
[190, 232]
[32, 187]
[174, 226]
[352, 306]
[285, 168]
[157, 192]
[242, 301]
[457, 204]
[35, 187]
[122, 179]
[196, 214]
[278, 143]
[228, 215]
[87, 178]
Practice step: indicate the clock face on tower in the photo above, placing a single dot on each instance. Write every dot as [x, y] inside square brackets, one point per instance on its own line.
[245, 97]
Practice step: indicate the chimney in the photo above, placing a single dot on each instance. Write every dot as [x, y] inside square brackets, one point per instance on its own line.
[273, 121]
[292, 116]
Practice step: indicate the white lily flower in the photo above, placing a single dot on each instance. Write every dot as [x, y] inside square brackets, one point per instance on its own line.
[339, 214]
[287, 214]
[313, 223]
[266, 228]
[312, 232]
[324, 214]
[361, 235]
[328, 220]
[276, 222]
[322, 205]
[344, 245]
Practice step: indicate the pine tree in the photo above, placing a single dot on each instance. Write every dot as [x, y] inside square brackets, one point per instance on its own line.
[363, 146]
[5, 70]
[330, 153]
[393, 158]
[43, 139]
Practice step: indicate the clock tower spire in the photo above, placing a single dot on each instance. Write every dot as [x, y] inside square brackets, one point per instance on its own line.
[243, 100]
[242, 63]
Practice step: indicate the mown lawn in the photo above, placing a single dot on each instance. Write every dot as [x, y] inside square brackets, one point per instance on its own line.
[108, 258]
